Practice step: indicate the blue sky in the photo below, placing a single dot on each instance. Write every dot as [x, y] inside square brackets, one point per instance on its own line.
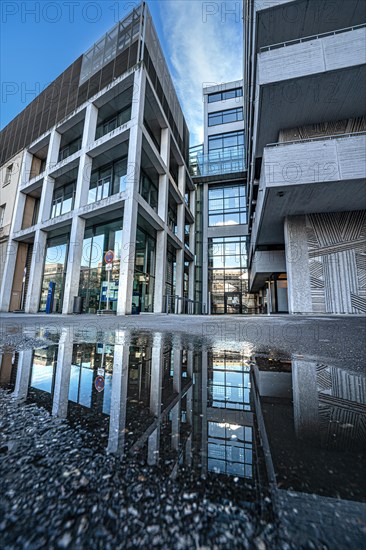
[201, 41]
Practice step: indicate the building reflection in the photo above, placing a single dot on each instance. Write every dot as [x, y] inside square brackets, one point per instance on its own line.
[297, 424]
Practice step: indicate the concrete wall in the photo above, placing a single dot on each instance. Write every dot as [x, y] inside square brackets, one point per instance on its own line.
[325, 255]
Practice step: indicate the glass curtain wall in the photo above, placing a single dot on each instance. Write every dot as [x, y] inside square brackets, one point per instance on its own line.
[228, 275]
[144, 280]
[54, 272]
[93, 286]
[108, 180]
[63, 200]
[227, 206]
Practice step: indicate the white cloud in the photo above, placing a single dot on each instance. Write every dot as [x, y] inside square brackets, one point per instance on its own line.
[204, 49]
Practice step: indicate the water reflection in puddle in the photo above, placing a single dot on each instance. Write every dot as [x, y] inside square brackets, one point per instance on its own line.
[287, 427]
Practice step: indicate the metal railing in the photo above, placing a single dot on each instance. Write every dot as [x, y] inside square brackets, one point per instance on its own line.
[318, 138]
[308, 38]
[223, 161]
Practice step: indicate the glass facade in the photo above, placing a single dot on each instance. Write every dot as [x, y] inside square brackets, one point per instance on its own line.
[225, 141]
[227, 94]
[228, 275]
[113, 122]
[70, 149]
[227, 205]
[54, 272]
[93, 285]
[144, 280]
[63, 200]
[224, 117]
[108, 180]
[149, 191]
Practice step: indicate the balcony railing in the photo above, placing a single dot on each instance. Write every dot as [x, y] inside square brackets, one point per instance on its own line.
[223, 161]
[317, 138]
[308, 38]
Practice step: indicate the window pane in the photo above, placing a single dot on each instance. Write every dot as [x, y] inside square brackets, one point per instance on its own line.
[216, 220]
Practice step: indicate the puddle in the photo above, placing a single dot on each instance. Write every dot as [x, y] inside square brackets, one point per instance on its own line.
[279, 437]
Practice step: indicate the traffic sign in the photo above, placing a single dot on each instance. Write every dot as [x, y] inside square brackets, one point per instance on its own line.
[109, 257]
[108, 267]
[99, 383]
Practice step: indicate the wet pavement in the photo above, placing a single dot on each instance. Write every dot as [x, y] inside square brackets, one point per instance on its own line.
[130, 437]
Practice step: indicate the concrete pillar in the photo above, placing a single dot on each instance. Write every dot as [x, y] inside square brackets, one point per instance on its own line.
[90, 125]
[297, 263]
[179, 277]
[160, 272]
[157, 362]
[305, 399]
[180, 221]
[25, 360]
[124, 305]
[176, 426]
[83, 181]
[177, 364]
[165, 146]
[63, 372]
[191, 283]
[53, 150]
[8, 275]
[117, 422]
[36, 272]
[45, 204]
[72, 278]
[182, 180]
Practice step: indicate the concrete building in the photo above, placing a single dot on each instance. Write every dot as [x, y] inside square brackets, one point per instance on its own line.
[104, 168]
[218, 169]
[9, 178]
[305, 89]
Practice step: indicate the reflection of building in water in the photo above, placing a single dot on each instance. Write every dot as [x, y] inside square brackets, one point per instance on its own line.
[227, 419]
[8, 370]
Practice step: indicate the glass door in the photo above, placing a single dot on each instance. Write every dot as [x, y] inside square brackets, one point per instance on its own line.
[232, 303]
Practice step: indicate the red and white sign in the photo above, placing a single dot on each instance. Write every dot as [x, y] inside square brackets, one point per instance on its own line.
[109, 257]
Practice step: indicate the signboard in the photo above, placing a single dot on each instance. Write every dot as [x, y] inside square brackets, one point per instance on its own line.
[108, 267]
[113, 291]
[109, 257]
[99, 383]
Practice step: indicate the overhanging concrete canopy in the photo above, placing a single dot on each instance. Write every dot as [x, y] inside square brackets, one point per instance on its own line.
[322, 175]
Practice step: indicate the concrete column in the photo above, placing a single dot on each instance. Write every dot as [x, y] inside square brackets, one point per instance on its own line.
[83, 181]
[72, 278]
[53, 150]
[117, 422]
[165, 146]
[180, 221]
[191, 284]
[90, 125]
[182, 180]
[36, 272]
[305, 399]
[176, 426]
[157, 361]
[179, 277]
[25, 361]
[63, 372]
[45, 205]
[124, 305]
[297, 263]
[25, 170]
[160, 272]
[8, 275]
[177, 364]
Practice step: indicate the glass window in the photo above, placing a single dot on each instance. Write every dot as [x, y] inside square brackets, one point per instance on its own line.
[226, 205]
[108, 180]
[227, 94]
[63, 200]
[223, 117]
[225, 141]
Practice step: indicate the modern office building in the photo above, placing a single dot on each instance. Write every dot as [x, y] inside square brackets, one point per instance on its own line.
[104, 169]
[218, 169]
[305, 89]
